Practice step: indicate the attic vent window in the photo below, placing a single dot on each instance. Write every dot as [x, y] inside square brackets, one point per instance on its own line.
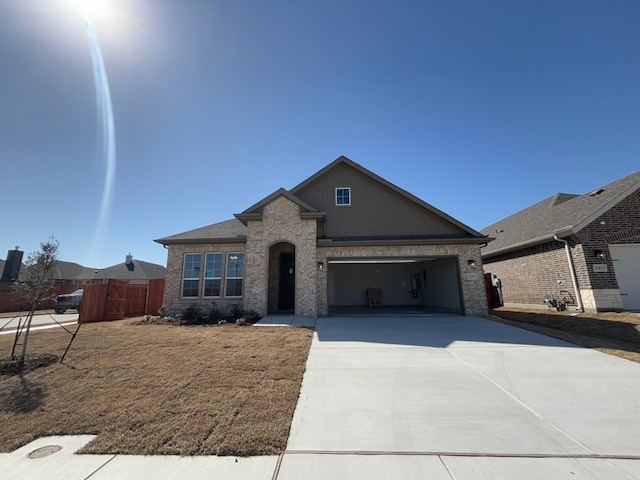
[596, 192]
[343, 196]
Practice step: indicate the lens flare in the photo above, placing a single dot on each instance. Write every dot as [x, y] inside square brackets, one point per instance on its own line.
[90, 9]
[105, 111]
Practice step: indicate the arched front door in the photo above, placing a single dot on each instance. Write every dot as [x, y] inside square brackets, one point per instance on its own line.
[282, 277]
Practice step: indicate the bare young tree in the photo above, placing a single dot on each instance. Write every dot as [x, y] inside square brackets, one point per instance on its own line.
[37, 285]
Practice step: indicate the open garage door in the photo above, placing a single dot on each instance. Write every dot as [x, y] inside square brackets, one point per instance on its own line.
[393, 285]
[626, 264]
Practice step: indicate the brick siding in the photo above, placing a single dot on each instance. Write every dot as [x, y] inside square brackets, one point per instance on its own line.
[530, 274]
[173, 300]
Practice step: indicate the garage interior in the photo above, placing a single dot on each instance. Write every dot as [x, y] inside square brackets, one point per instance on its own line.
[393, 286]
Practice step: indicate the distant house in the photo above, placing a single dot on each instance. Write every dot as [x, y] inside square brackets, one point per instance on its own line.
[131, 270]
[70, 273]
[585, 248]
[344, 238]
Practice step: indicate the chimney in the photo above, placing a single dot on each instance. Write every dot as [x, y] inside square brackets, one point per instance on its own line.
[129, 259]
[12, 265]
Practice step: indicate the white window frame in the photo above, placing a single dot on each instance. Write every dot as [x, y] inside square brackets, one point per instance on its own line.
[348, 189]
[227, 277]
[198, 269]
[205, 278]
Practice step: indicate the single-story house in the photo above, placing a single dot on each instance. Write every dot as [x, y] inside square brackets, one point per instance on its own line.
[582, 248]
[132, 270]
[342, 238]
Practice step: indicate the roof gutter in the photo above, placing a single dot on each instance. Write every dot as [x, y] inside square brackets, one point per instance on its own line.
[572, 268]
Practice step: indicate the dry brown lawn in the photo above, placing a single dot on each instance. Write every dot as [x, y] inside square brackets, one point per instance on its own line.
[614, 333]
[159, 389]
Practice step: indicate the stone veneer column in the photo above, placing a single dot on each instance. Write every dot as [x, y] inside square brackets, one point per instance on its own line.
[281, 222]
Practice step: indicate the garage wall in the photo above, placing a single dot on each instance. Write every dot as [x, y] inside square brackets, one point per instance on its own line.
[352, 280]
[626, 262]
[471, 282]
[442, 287]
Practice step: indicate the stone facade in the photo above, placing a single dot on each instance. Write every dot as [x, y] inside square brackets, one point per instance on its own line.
[281, 222]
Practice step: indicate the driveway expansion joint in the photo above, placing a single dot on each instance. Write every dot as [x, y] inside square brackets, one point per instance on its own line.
[462, 454]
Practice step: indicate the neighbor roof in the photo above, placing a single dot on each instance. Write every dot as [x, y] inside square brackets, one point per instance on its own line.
[136, 270]
[563, 213]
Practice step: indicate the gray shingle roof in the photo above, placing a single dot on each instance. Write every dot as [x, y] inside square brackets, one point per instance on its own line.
[567, 212]
[229, 230]
[136, 270]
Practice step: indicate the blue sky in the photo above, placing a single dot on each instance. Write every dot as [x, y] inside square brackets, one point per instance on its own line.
[480, 108]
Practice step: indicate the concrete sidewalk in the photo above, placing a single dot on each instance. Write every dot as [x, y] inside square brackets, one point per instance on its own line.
[451, 398]
[40, 321]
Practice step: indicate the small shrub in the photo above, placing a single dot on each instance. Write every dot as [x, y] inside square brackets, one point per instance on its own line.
[237, 311]
[190, 315]
[213, 311]
[242, 321]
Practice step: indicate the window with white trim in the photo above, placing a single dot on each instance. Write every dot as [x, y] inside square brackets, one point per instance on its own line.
[235, 274]
[212, 274]
[191, 274]
[343, 196]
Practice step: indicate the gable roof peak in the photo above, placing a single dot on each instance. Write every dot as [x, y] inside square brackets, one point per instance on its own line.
[536, 224]
[281, 192]
[559, 198]
[342, 160]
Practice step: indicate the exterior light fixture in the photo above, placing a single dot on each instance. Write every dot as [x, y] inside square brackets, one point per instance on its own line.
[598, 253]
[471, 262]
[321, 266]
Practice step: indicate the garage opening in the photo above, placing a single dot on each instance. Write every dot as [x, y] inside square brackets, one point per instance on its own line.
[394, 286]
[626, 264]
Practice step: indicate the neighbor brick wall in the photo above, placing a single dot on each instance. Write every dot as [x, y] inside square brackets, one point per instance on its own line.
[529, 274]
[619, 225]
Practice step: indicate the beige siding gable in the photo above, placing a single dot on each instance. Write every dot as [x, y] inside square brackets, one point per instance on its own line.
[375, 211]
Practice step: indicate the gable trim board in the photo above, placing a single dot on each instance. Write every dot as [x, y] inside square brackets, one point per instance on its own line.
[383, 224]
[522, 254]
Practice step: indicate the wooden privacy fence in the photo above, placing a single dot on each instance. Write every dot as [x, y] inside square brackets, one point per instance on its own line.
[116, 300]
[10, 302]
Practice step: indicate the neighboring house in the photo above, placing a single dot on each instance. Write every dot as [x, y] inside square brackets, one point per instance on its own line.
[70, 276]
[131, 270]
[582, 247]
[69, 273]
[342, 238]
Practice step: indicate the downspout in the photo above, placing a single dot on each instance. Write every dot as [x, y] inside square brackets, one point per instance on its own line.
[572, 269]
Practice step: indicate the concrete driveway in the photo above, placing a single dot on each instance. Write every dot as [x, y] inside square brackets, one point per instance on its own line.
[460, 398]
